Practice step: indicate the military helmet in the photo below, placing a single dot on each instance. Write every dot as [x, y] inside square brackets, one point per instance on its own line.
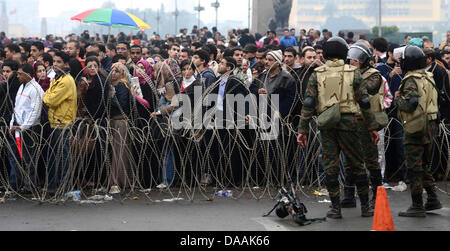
[335, 47]
[361, 53]
[413, 58]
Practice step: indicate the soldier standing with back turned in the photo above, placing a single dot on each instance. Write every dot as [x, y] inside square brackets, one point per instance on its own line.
[359, 56]
[418, 110]
[336, 91]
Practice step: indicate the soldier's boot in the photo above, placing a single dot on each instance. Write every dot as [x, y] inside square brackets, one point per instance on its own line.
[373, 201]
[335, 212]
[416, 210]
[349, 200]
[366, 209]
[433, 202]
[376, 182]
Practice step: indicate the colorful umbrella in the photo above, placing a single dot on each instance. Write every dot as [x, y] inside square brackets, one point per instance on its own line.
[112, 18]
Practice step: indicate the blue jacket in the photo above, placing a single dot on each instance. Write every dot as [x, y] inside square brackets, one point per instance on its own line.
[208, 77]
[288, 42]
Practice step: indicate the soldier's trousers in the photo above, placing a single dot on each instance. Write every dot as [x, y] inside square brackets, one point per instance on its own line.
[333, 143]
[370, 158]
[418, 161]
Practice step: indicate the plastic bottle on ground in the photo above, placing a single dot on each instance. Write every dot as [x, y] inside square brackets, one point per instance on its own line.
[224, 193]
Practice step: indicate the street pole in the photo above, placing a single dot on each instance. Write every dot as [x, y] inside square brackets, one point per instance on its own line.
[199, 9]
[216, 5]
[109, 34]
[158, 18]
[249, 13]
[176, 14]
[380, 33]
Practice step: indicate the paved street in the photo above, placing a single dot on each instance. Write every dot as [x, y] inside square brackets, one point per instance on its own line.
[222, 214]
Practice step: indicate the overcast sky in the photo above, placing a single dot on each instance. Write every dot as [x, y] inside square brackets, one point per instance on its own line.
[236, 10]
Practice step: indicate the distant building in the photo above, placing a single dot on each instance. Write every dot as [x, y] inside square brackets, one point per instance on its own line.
[24, 13]
[4, 24]
[406, 14]
[44, 29]
[18, 30]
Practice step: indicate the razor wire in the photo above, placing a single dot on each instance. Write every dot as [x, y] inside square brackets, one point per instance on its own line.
[136, 151]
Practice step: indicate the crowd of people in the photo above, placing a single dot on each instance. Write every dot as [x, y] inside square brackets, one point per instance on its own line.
[93, 112]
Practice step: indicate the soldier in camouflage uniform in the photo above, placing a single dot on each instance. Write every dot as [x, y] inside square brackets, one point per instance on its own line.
[339, 85]
[359, 56]
[418, 110]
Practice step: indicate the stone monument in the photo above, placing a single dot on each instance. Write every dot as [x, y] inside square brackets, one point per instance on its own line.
[282, 10]
[271, 15]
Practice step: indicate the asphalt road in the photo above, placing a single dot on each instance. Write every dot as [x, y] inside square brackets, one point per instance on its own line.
[221, 214]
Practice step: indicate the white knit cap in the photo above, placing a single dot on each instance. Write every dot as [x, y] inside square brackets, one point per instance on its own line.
[278, 55]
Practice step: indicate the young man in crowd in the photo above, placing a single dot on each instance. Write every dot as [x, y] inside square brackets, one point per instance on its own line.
[250, 51]
[205, 74]
[380, 46]
[25, 122]
[136, 53]
[103, 57]
[20, 58]
[319, 55]
[227, 85]
[290, 61]
[446, 58]
[76, 64]
[272, 39]
[111, 50]
[288, 40]
[37, 49]
[10, 87]
[10, 50]
[61, 101]
[145, 53]
[309, 61]
[172, 61]
[185, 54]
[123, 48]
[294, 68]
[293, 33]
[238, 55]
[2, 58]
[4, 40]
[260, 62]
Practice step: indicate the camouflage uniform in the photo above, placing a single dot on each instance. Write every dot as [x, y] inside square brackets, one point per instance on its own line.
[344, 137]
[418, 147]
[373, 84]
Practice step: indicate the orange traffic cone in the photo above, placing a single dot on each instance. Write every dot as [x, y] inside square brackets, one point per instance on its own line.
[382, 220]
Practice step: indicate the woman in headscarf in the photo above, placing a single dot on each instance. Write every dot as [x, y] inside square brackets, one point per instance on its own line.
[143, 93]
[167, 88]
[151, 61]
[95, 90]
[119, 111]
[41, 76]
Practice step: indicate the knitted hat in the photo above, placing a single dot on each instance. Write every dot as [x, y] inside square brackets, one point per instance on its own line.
[278, 55]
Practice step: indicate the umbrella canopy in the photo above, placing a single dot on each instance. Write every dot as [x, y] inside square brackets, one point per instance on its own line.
[112, 18]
